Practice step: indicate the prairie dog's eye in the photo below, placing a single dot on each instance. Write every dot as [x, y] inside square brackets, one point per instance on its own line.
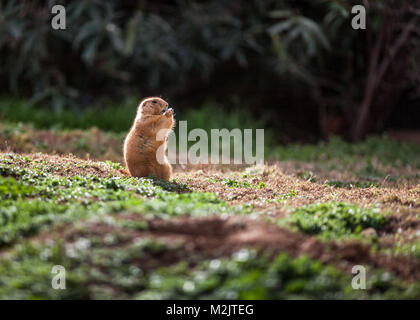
[154, 101]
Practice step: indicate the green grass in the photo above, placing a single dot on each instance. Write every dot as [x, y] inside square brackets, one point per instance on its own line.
[286, 196]
[335, 220]
[119, 117]
[112, 165]
[351, 184]
[31, 199]
[411, 249]
[108, 267]
[238, 184]
[247, 276]
[383, 149]
[92, 266]
[95, 270]
[307, 175]
[116, 120]
[16, 110]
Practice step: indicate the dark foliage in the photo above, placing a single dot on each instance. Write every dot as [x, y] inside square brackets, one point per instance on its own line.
[298, 62]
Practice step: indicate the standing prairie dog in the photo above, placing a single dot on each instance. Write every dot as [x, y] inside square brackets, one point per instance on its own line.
[144, 155]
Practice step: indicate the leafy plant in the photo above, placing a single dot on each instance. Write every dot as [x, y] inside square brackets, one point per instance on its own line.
[335, 220]
[244, 275]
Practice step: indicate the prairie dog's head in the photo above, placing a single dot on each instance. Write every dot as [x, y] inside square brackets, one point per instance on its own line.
[153, 106]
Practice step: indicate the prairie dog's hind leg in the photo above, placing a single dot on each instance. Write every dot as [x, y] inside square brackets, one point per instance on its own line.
[140, 171]
[164, 172]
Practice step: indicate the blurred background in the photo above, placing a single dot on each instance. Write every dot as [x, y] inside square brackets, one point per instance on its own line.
[296, 68]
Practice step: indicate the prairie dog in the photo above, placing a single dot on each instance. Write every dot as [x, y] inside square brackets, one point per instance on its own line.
[143, 153]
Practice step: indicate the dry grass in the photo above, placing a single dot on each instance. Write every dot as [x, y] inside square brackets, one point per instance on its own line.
[279, 188]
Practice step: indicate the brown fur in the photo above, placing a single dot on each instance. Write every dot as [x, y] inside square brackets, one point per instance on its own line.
[141, 148]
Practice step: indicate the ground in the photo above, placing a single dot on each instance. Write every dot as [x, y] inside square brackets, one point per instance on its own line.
[292, 228]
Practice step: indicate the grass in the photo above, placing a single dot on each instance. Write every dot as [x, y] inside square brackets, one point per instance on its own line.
[369, 163]
[208, 116]
[335, 220]
[102, 132]
[32, 199]
[288, 195]
[204, 234]
[383, 149]
[351, 184]
[16, 110]
[239, 184]
[247, 276]
[98, 271]
[410, 249]
[91, 142]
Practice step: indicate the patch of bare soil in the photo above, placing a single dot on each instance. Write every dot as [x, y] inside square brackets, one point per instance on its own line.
[215, 237]
[281, 189]
[355, 171]
[402, 227]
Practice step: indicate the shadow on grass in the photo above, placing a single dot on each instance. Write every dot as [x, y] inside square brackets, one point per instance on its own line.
[172, 186]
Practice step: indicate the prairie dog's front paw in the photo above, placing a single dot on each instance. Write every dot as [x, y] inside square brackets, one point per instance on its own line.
[169, 113]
